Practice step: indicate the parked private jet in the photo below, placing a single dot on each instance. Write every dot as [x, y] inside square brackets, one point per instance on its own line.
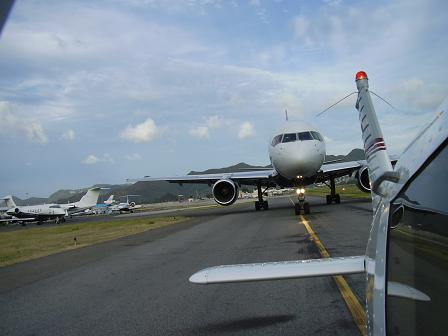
[405, 263]
[297, 154]
[33, 213]
[44, 212]
[125, 206]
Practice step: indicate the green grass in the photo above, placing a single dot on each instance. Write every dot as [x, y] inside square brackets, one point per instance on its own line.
[21, 245]
[345, 190]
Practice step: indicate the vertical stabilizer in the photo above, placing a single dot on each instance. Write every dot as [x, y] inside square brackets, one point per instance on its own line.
[380, 168]
[110, 200]
[89, 199]
[9, 202]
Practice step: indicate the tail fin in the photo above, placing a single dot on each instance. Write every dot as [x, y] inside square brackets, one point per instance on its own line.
[9, 202]
[89, 199]
[380, 168]
[110, 200]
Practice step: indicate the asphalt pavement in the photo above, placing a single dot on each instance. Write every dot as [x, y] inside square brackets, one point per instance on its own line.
[138, 285]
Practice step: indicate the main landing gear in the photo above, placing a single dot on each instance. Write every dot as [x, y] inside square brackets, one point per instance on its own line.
[333, 197]
[301, 204]
[260, 204]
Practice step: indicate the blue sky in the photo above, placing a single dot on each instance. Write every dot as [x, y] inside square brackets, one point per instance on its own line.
[100, 91]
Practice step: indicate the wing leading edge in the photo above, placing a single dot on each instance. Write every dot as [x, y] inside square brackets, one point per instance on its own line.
[246, 177]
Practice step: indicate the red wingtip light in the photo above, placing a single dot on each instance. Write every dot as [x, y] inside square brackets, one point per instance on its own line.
[361, 75]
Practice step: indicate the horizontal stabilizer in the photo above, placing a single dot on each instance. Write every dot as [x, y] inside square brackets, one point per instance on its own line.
[279, 270]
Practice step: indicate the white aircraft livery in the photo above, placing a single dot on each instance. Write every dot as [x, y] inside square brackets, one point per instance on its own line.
[297, 154]
[38, 213]
[405, 263]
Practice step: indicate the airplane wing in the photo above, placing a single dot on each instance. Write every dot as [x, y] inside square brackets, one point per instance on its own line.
[266, 177]
[29, 219]
[339, 169]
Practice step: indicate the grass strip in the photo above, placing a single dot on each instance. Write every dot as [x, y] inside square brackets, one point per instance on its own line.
[22, 245]
[345, 190]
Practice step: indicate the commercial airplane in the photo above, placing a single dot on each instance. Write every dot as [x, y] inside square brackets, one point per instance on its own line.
[125, 206]
[297, 154]
[405, 262]
[34, 213]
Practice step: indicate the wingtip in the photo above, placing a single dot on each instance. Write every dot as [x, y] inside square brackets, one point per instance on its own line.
[199, 278]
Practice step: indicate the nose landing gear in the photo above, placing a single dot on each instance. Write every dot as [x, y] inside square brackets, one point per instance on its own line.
[301, 204]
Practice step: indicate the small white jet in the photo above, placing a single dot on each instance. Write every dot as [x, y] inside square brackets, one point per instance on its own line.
[297, 154]
[126, 206]
[405, 262]
[34, 213]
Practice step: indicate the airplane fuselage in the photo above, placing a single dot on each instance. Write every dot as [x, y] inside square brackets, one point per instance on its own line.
[297, 152]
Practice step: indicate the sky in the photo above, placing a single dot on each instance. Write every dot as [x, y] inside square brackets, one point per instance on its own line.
[100, 91]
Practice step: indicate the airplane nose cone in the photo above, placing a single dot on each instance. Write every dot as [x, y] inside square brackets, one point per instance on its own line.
[298, 161]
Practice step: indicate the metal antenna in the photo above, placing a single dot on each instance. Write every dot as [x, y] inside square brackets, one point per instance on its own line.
[384, 100]
[320, 113]
[286, 114]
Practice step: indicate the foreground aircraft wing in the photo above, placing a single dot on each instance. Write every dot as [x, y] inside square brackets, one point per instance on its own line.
[244, 177]
[279, 270]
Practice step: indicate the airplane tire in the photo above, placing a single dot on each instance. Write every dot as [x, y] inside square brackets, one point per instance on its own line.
[257, 206]
[328, 199]
[306, 208]
[265, 205]
[297, 209]
[337, 199]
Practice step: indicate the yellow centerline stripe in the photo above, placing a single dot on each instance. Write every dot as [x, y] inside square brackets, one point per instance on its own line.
[355, 308]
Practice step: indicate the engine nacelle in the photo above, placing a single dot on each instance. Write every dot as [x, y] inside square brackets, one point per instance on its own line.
[363, 180]
[225, 192]
[132, 204]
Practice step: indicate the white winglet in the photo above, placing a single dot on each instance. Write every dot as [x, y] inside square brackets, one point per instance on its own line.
[279, 270]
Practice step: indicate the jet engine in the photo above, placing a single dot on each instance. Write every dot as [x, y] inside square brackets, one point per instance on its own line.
[362, 179]
[225, 192]
[16, 210]
[132, 204]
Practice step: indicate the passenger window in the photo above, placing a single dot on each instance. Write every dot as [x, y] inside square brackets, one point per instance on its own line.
[289, 137]
[418, 253]
[305, 136]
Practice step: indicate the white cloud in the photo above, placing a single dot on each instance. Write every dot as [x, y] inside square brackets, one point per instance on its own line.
[11, 122]
[247, 130]
[93, 159]
[133, 157]
[90, 159]
[144, 132]
[214, 122]
[200, 132]
[69, 135]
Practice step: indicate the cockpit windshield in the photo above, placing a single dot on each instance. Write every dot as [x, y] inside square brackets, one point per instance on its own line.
[305, 136]
[289, 137]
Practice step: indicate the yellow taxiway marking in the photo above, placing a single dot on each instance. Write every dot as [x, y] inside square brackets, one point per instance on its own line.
[355, 308]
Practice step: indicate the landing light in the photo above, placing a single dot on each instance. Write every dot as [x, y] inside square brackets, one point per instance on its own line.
[361, 75]
[300, 191]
